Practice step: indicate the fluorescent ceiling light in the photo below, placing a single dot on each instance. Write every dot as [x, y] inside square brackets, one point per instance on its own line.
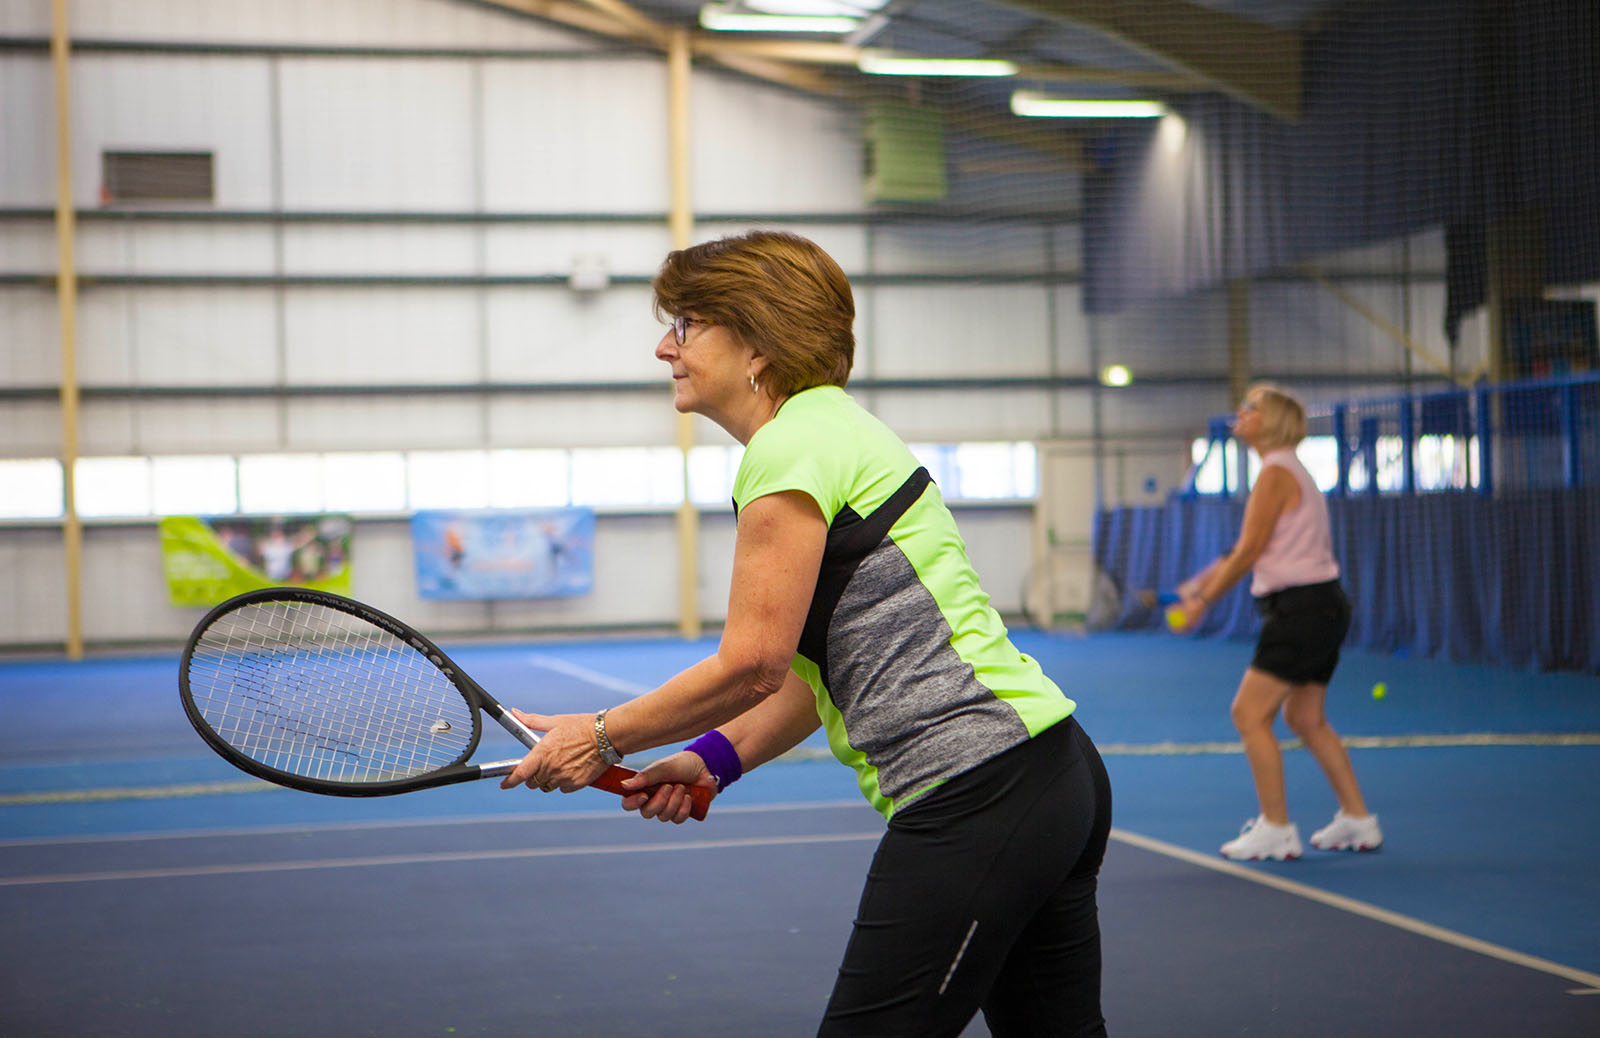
[1029, 102]
[723, 18]
[886, 63]
[812, 8]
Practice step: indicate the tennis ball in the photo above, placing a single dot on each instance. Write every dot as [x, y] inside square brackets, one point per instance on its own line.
[1176, 618]
[1379, 690]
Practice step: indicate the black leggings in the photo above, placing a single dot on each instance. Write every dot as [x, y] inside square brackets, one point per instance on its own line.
[982, 895]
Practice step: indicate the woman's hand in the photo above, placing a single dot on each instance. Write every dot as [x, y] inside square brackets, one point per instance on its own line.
[671, 802]
[567, 758]
[1193, 608]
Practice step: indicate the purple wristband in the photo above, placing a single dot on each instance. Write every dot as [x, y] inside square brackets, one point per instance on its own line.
[722, 760]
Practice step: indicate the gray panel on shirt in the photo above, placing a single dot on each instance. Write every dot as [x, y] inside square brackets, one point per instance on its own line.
[911, 704]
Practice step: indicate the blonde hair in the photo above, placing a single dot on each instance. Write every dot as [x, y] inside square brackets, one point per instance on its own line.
[1283, 416]
[775, 292]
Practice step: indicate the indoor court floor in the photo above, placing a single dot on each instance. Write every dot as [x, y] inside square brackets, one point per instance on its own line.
[146, 888]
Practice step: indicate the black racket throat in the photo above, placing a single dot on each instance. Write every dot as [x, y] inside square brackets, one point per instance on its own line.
[321, 693]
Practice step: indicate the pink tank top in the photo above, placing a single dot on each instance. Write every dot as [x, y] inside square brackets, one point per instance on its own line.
[1301, 549]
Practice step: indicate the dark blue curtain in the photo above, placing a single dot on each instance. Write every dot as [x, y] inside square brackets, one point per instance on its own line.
[1455, 113]
[1512, 580]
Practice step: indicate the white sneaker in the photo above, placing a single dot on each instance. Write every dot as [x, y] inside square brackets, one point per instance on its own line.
[1345, 833]
[1260, 839]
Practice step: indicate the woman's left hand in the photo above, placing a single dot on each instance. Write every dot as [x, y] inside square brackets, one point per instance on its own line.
[567, 757]
[1193, 607]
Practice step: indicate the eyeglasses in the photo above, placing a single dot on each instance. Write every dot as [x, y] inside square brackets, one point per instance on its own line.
[1249, 407]
[680, 327]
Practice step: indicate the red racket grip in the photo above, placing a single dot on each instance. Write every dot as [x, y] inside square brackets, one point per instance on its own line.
[611, 782]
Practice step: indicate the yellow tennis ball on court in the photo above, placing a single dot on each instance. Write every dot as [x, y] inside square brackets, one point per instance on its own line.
[1379, 690]
[1176, 618]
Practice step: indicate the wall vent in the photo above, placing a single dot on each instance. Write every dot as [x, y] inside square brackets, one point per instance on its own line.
[156, 176]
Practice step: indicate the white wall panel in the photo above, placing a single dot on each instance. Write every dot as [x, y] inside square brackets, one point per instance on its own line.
[343, 336]
[960, 249]
[216, 425]
[587, 420]
[956, 330]
[553, 334]
[27, 126]
[383, 423]
[1175, 336]
[30, 336]
[545, 249]
[1161, 410]
[366, 134]
[128, 559]
[33, 605]
[1067, 246]
[761, 148]
[1072, 412]
[365, 249]
[848, 244]
[1072, 347]
[155, 102]
[26, 246]
[575, 136]
[402, 23]
[176, 336]
[947, 416]
[176, 247]
[30, 429]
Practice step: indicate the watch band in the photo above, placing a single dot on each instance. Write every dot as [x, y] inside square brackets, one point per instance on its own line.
[608, 752]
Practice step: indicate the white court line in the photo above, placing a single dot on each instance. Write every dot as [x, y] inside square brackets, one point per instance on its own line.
[593, 677]
[1361, 908]
[812, 753]
[439, 857]
[1591, 981]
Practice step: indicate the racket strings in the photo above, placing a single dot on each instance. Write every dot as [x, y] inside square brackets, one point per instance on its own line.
[322, 694]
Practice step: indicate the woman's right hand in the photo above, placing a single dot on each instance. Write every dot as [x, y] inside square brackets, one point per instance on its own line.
[675, 774]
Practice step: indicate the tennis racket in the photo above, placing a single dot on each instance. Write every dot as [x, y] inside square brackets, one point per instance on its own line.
[324, 694]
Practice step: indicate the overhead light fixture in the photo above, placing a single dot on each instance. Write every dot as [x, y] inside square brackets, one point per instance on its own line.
[1116, 376]
[727, 18]
[1043, 106]
[887, 63]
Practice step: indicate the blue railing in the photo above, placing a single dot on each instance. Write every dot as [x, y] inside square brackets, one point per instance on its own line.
[1537, 434]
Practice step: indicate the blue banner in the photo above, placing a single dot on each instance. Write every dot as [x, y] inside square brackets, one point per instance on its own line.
[491, 555]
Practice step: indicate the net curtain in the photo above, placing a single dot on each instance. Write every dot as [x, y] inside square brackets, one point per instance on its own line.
[1452, 113]
[1512, 581]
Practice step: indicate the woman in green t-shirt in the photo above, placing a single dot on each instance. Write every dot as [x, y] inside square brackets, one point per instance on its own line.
[853, 607]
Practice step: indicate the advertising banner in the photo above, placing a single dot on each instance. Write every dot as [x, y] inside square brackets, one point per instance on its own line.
[209, 560]
[512, 554]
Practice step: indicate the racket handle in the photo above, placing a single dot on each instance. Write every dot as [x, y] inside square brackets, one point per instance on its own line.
[611, 782]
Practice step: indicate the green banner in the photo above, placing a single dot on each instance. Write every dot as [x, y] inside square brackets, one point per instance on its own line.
[207, 561]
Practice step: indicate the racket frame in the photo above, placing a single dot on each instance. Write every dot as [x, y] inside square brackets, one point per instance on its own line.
[478, 701]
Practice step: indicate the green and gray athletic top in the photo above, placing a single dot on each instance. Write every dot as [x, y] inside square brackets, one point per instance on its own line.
[915, 677]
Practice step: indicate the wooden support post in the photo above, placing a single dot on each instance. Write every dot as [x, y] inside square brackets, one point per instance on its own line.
[67, 305]
[681, 223]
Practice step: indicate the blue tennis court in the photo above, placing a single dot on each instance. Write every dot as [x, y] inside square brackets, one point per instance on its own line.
[150, 889]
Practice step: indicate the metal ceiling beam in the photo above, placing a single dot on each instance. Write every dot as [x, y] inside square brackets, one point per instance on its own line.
[788, 64]
[843, 54]
[1257, 64]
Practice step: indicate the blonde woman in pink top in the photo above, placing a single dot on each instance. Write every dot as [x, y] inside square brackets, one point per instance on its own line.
[1286, 545]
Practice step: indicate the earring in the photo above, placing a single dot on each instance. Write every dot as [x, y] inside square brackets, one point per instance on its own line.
[753, 387]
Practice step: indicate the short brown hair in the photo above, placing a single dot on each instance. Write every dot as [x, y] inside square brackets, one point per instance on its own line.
[1283, 417]
[777, 293]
